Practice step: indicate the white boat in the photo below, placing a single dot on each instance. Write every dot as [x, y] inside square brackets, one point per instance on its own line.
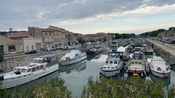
[114, 45]
[144, 44]
[72, 57]
[39, 67]
[113, 64]
[159, 67]
[136, 68]
[126, 56]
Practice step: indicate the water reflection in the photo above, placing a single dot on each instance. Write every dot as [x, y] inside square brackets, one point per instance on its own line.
[166, 80]
[37, 81]
[105, 52]
[74, 67]
[97, 56]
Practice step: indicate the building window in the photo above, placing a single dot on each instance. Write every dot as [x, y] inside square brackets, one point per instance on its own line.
[46, 39]
[27, 48]
[32, 47]
[50, 33]
[46, 33]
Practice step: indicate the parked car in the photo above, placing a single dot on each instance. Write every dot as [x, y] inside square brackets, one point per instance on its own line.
[69, 47]
[172, 42]
[31, 52]
[62, 47]
[53, 49]
[59, 47]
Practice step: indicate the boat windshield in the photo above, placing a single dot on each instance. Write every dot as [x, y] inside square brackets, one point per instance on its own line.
[37, 60]
[114, 55]
[23, 70]
[18, 69]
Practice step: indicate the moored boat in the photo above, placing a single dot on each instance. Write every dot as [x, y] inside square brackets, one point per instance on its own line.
[39, 67]
[136, 68]
[159, 67]
[72, 57]
[126, 56]
[94, 50]
[114, 45]
[113, 64]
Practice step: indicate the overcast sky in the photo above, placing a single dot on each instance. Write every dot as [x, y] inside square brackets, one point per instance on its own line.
[88, 16]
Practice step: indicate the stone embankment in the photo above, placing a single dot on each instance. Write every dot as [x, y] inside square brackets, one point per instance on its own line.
[12, 61]
[167, 51]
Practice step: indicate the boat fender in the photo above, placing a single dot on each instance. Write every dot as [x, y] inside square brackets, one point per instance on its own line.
[2, 77]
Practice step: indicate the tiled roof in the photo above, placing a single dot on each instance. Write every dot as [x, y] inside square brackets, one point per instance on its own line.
[24, 34]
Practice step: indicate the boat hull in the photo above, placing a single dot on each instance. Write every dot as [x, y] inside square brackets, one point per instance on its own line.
[12, 82]
[73, 61]
[136, 72]
[93, 52]
[110, 73]
[162, 75]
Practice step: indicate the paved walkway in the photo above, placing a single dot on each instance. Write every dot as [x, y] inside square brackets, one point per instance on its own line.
[165, 46]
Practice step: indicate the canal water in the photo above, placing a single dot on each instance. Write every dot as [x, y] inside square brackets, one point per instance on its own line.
[76, 75]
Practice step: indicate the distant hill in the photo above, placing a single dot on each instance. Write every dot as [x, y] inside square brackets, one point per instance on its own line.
[152, 33]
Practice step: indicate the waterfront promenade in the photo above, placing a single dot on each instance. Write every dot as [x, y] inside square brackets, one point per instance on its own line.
[165, 46]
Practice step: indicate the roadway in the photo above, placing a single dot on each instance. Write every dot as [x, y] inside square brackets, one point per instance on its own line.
[165, 46]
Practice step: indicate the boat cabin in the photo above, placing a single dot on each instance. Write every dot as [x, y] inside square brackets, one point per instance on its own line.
[115, 55]
[28, 69]
[50, 60]
[97, 48]
[136, 65]
[72, 54]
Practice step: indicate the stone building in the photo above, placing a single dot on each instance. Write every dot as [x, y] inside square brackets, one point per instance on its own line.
[9, 46]
[51, 36]
[32, 44]
[10, 34]
[168, 34]
[71, 38]
[60, 34]
[48, 38]
[161, 35]
[35, 32]
[19, 35]
[94, 37]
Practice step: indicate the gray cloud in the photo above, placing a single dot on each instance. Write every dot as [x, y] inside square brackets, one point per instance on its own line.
[23, 13]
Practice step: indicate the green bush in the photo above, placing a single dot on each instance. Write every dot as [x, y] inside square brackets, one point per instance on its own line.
[55, 88]
[1, 57]
[126, 88]
[133, 87]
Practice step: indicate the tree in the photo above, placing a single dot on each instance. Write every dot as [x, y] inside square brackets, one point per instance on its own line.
[100, 39]
[153, 33]
[112, 37]
[104, 39]
[1, 57]
[81, 40]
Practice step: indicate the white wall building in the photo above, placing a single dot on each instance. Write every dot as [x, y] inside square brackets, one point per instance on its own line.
[32, 44]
